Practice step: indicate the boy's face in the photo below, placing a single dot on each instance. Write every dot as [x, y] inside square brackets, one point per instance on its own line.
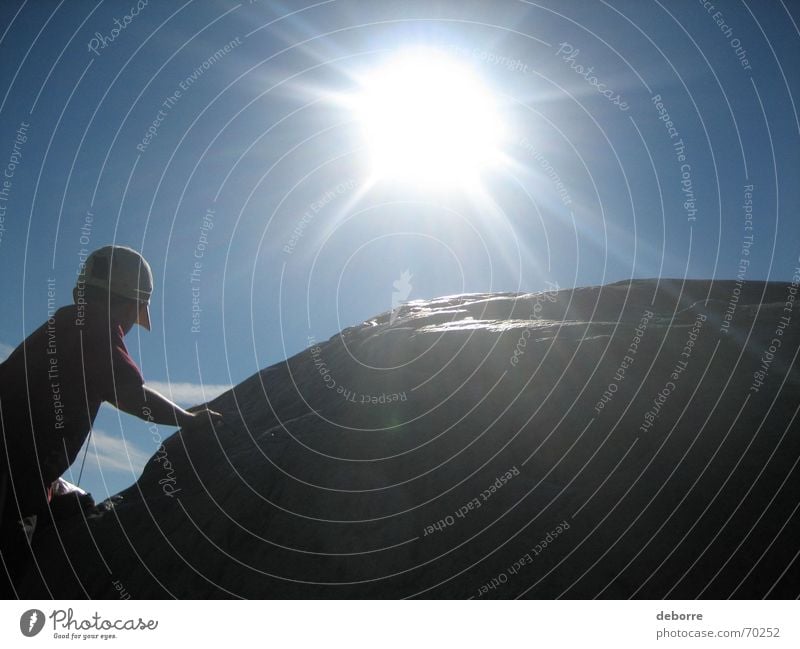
[128, 315]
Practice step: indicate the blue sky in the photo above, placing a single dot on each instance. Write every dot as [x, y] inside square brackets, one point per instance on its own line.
[208, 162]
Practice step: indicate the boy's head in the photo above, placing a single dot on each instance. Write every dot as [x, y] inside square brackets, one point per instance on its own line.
[120, 278]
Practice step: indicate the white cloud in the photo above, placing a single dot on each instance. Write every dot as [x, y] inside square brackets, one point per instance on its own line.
[115, 454]
[189, 394]
[5, 351]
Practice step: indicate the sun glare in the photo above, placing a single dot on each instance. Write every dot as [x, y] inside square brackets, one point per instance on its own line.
[428, 120]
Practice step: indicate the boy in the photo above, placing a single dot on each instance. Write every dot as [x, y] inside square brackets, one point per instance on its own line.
[52, 385]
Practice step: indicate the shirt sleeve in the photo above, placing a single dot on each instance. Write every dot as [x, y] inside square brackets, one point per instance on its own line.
[114, 369]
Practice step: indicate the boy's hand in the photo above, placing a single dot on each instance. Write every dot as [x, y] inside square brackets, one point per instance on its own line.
[201, 415]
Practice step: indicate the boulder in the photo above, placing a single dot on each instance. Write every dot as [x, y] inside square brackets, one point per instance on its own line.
[637, 439]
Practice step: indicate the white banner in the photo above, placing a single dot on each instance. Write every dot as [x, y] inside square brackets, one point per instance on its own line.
[400, 624]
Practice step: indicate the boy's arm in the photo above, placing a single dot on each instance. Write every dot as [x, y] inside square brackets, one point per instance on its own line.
[147, 404]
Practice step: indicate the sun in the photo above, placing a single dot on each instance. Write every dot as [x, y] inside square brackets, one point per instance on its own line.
[427, 119]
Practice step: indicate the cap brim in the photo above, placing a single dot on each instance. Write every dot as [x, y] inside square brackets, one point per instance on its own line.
[143, 320]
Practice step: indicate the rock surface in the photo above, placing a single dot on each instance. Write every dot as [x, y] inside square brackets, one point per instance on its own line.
[463, 447]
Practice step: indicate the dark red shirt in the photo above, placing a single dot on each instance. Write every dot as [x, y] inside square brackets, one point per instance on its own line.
[51, 388]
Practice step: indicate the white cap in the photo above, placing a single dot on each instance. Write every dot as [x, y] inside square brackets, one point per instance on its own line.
[122, 271]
